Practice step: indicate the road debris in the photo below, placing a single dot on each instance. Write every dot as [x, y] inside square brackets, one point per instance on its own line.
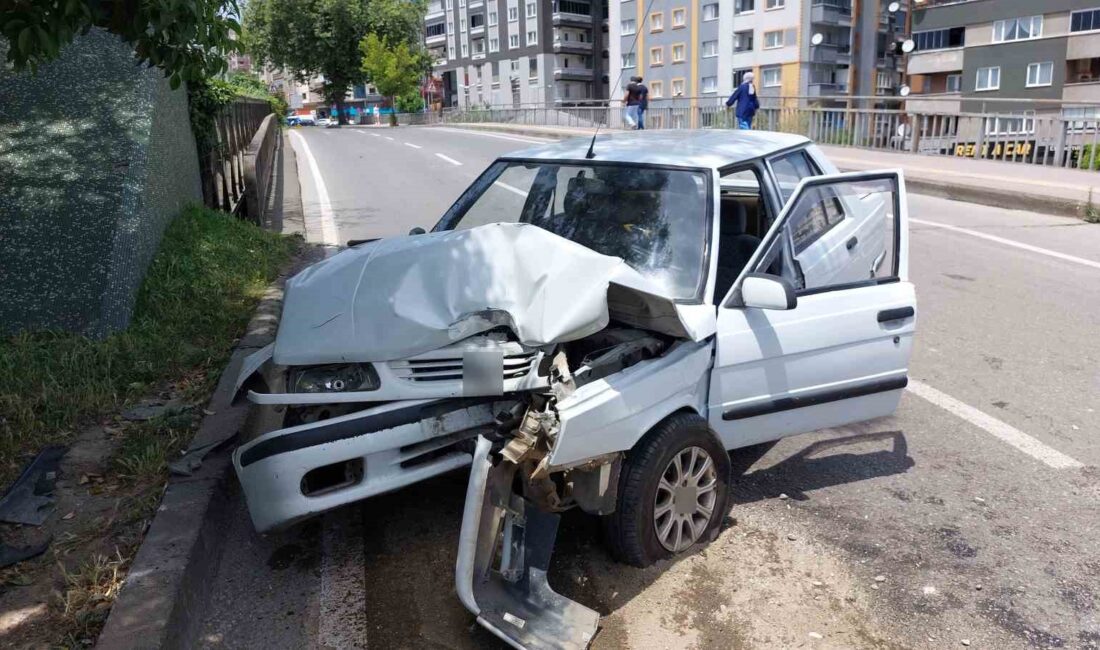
[28, 500]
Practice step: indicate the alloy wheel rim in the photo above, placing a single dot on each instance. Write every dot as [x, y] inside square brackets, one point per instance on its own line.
[685, 499]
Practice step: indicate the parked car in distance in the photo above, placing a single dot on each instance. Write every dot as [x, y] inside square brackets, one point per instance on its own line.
[323, 121]
[593, 325]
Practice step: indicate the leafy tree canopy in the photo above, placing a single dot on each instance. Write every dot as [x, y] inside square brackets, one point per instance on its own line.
[188, 39]
[394, 69]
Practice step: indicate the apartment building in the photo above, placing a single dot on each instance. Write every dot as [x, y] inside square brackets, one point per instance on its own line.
[975, 50]
[819, 50]
[508, 52]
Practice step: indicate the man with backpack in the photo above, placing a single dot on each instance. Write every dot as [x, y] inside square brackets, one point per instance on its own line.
[746, 100]
[637, 101]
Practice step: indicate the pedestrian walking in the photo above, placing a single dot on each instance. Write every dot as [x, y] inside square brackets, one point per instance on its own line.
[637, 101]
[746, 100]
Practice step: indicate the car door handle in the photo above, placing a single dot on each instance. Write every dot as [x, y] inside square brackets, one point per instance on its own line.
[852, 243]
[887, 315]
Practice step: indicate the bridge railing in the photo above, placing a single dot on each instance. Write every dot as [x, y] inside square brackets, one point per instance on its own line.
[223, 166]
[1045, 132]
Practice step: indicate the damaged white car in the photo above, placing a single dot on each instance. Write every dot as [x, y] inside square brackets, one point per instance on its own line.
[593, 327]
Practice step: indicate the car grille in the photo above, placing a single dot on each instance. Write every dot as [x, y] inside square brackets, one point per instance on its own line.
[516, 366]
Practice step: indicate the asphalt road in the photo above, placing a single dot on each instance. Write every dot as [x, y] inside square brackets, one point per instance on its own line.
[972, 515]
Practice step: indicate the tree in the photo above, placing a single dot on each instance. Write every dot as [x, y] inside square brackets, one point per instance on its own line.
[310, 38]
[187, 39]
[394, 69]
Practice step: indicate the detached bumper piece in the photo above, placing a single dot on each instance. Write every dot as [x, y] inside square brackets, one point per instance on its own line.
[503, 555]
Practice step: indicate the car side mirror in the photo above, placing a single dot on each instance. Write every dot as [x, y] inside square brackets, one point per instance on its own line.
[764, 291]
[417, 231]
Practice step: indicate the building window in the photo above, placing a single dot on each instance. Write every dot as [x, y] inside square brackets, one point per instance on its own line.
[1085, 21]
[465, 50]
[938, 39]
[451, 52]
[629, 60]
[494, 44]
[710, 11]
[1040, 74]
[513, 41]
[513, 14]
[677, 87]
[1009, 125]
[656, 56]
[678, 51]
[1017, 29]
[532, 37]
[656, 21]
[709, 49]
[479, 47]
[710, 84]
[772, 77]
[774, 4]
[477, 20]
[492, 17]
[954, 83]
[742, 41]
[628, 27]
[532, 10]
[988, 78]
[533, 68]
[657, 89]
[679, 17]
[773, 39]
[438, 29]
[744, 6]
[575, 7]
[462, 24]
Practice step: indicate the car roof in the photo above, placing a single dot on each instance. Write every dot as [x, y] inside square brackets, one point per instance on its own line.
[681, 148]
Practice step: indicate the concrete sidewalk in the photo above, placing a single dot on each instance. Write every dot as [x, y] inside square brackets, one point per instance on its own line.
[1016, 186]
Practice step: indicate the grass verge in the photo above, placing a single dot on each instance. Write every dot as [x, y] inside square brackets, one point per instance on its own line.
[196, 299]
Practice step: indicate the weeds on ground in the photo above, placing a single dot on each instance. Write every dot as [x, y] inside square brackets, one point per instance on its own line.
[195, 301]
[89, 592]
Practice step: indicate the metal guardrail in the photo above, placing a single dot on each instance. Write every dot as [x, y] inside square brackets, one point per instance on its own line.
[1046, 132]
[223, 169]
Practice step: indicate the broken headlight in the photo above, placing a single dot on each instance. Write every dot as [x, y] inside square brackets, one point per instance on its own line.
[342, 378]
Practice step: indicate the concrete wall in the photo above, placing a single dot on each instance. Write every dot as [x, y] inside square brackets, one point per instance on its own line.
[96, 157]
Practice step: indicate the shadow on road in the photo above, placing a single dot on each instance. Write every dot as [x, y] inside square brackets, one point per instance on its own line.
[412, 537]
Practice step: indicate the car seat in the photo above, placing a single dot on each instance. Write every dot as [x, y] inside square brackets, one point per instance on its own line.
[735, 246]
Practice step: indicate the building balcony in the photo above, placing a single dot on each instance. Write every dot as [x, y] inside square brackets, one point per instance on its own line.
[565, 18]
[434, 10]
[1088, 91]
[936, 61]
[831, 13]
[572, 47]
[480, 29]
[826, 89]
[1082, 46]
[829, 53]
[438, 39]
[475, 4]
[573, 74]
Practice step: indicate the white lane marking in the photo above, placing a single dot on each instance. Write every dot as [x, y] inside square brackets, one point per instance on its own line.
[414, 146]
[991, 425]
[528, 140]
[343, 615]
[389, 138]
[377, 135]
[513, 190]
[1009, 242]
[328, 220]
[452, 161]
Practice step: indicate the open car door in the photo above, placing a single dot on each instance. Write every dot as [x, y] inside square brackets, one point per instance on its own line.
[817, 331]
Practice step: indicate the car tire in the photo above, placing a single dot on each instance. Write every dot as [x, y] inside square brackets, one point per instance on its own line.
[642, 531]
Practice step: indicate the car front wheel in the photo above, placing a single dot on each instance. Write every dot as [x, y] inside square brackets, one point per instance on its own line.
[673, 492]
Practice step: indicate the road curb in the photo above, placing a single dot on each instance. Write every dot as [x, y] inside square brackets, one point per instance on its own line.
[163, 599]
[1009, 200]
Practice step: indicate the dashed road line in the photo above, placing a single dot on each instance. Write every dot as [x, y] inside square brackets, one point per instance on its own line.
[513, 190]
[496, 135]
[389, 138]
[377, 135]
[327, 227]
[450, 160]
[342, 619]
[998, 429]
[414, 146]
[1009, 242]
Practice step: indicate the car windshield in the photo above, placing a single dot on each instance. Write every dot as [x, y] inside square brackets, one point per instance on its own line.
[655, 219]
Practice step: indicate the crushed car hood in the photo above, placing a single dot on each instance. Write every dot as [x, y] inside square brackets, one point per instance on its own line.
[396, 298]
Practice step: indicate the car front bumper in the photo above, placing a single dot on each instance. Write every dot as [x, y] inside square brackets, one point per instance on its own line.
[294, 473]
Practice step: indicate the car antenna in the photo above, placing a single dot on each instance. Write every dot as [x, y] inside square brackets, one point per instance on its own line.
[592, 145]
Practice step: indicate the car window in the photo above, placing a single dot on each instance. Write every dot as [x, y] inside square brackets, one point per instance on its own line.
[837, 234]
[655, 219]
[789, 169]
